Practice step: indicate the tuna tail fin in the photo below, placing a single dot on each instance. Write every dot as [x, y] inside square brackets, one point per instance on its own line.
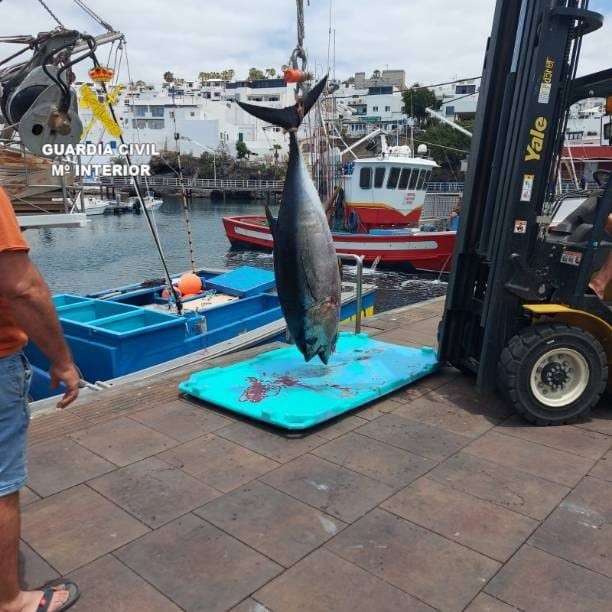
[287, 118]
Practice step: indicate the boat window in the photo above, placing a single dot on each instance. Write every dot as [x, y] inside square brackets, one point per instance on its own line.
[422, 180]
[393, 176]
[403, 182]
[413, 180]
[365, 178]
[379, 177]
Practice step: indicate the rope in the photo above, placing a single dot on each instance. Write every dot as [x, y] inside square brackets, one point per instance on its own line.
[183, 190]
[53, 15]
[93, 15]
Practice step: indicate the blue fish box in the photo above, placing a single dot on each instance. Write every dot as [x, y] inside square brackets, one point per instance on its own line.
[279, 388]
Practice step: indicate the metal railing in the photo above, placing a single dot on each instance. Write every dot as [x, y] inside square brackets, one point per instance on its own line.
[358, 261]
[198, 183]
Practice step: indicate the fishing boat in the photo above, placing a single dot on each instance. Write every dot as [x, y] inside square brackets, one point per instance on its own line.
[375, 214]
[119, 332]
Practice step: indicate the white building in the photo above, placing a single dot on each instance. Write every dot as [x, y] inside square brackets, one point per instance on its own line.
[458, 99]
[204, 116]
[363, 110]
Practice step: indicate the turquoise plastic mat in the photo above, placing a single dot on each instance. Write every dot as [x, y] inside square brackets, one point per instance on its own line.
[279, 388]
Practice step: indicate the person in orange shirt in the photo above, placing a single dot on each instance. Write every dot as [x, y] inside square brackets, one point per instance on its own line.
[26, 311]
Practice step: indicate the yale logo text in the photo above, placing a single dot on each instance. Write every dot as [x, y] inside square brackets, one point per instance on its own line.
[536, 144]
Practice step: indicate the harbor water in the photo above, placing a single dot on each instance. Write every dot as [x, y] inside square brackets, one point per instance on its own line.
[118, 250]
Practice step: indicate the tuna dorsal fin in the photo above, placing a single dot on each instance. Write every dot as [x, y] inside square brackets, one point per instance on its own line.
[271, 221]
[288, 117]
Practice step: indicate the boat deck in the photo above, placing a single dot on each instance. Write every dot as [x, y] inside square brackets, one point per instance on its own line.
[435, 498]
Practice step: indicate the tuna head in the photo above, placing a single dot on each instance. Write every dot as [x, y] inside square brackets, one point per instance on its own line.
[317, 330]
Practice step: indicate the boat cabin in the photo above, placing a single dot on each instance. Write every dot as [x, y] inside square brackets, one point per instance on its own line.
[385, 191]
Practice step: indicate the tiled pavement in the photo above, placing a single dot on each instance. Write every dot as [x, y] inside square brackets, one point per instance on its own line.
[435, 498]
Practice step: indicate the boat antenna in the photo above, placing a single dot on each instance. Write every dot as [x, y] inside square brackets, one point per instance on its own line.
[158, 246]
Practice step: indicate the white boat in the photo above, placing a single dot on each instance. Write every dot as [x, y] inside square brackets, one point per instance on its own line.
[150, 201]
[93, 205]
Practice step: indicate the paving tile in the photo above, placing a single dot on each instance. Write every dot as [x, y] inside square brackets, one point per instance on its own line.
[486, 603]
[34, 571]
[322, 582]
[181, 420]
[271, 442]
[599, 420]
[333, 489]
[603, 468]
[567, 438]
[154, 491]
[218, 462]
[27, 496]
[558, 466]
[60, 464]
[437, 571]
[76, 526]
[500, 484]
[431, 442]
[431, 409]
[480, 525]
[250, 605]
[273, 523]
[375, 459]
[107, 585]
[198, 566]
[535, 581]
[53, 425]
[580, 529]
[338, 427]
[123, 441]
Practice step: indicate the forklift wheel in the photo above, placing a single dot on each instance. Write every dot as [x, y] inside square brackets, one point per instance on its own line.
[553, 373]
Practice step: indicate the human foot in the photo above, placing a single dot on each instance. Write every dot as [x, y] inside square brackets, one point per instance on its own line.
[53, 598]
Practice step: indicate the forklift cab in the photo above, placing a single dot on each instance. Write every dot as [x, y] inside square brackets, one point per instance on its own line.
[519, 313]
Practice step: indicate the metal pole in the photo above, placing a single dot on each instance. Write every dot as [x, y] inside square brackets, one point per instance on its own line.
[358, 260]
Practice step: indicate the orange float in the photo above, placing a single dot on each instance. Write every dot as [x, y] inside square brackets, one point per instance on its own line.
[190, 283]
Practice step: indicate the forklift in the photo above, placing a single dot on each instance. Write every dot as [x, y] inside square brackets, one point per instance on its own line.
[519, 313]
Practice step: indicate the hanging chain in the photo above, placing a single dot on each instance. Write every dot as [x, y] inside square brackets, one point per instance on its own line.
[59, 23]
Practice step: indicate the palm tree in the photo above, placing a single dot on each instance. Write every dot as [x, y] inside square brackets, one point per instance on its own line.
[168, 76]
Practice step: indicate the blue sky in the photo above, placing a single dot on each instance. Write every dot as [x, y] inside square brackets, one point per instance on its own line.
[432, 40]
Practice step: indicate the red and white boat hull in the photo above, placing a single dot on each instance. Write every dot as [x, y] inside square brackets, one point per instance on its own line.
[431, 251]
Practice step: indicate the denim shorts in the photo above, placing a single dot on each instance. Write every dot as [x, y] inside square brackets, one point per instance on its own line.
[15, 376]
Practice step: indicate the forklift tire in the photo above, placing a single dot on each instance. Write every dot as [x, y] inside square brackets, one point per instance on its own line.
[553, 373]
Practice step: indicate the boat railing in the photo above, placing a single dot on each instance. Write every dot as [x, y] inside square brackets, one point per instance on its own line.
[358, 261]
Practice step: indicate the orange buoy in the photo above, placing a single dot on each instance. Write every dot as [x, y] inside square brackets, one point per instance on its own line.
[293, 75]
[190, 283]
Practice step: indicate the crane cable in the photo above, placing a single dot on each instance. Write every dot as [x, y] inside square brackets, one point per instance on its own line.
[93, 15]
[53, 15]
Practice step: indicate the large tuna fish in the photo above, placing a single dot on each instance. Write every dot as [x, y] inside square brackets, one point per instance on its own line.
[305, 263]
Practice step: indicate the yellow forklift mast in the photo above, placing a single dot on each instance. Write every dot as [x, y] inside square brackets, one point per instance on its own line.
[519, 313]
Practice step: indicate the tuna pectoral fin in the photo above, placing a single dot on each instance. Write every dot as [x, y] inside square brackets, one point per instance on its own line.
[287, 117]
[271, 222]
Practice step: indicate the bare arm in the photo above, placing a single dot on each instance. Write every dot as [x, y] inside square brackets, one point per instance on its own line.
[27, 293]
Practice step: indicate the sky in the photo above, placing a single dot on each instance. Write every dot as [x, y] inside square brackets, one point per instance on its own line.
[432, 40]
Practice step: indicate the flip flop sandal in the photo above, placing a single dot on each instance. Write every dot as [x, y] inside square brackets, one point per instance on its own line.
[49, 590]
